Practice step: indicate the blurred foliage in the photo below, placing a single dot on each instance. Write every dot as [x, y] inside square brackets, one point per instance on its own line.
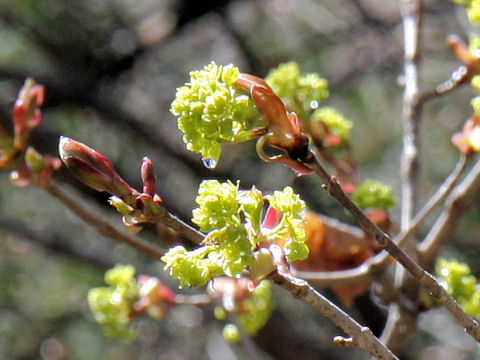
[111, 68]
[456, 277]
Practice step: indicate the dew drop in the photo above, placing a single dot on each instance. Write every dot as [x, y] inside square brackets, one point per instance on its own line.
[210, 163]
[314, 104]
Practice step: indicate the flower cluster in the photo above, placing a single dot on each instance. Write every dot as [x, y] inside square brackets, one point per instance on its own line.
[112, 306]
[374, 194]
[457, 279]
[468, 140]
[211, 110]
[232, 219]
[336, 127]
[252, 309]
[301, 92]
[473, 9]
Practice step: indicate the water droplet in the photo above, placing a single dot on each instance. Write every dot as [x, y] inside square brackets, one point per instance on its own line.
[314, 104]
[210, 163]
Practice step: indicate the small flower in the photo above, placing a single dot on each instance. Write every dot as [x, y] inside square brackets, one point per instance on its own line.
[468, 140]
[473, 9]
[373, 194]
[336, 128]
[301, 92]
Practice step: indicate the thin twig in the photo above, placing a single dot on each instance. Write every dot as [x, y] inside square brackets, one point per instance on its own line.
[459, 77]
[398, 318]
[369, 268]
[360, 336]
[461, 198]
[103, 226]
[195, 299]
[412, 16]
[423, 277]
[170, 220]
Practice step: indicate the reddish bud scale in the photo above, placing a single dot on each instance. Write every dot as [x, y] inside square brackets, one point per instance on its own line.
[285, 133]
[272, 218]
[272, 107]
[148, 176]
[26, 111]
[463, 54]
[466, 140]
[93, 168]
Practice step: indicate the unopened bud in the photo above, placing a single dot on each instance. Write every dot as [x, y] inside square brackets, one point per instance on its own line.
[148, 176]
[92, 168]
[26, 111]
[34, 160]
[261, 266]
[121, 206]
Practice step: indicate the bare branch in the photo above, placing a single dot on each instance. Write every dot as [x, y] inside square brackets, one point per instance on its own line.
[458, 77]
[412, 17]
[183, 228]
[423, 277]
[360, 336]
[462, 197]
[103, 226]
[370, 267]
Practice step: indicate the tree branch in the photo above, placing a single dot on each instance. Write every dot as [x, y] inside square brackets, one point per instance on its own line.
[424, 278]
[103, 226]
[361, 336]
[462, 197]
[370, 267]
[412, 17]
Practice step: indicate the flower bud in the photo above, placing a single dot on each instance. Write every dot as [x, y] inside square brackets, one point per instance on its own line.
[121, 206]
[272, 107]
[26, 111]
[261, 266]
[148, 176]
[34, 160]
[92, 168]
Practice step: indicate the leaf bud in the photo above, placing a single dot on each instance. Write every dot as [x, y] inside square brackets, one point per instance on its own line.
[148, 176]
[92, 168]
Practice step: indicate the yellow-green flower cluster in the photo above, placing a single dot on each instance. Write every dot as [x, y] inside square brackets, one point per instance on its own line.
[457, 279]
[231, 218]
[111, 306]
[476, 100]
[253, 313]
[290, 205]
[301, 92]
[257, 308]
[212, 110]
[336, 123]
[473, 9]
[373, 194]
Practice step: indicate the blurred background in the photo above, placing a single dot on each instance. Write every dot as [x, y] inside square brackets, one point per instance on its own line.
[111, 68]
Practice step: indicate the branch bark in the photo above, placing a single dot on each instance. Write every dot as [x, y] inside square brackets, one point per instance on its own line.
[422, 276]
[461, 198]
[369, 269]
[360, 336]
[103, 226]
